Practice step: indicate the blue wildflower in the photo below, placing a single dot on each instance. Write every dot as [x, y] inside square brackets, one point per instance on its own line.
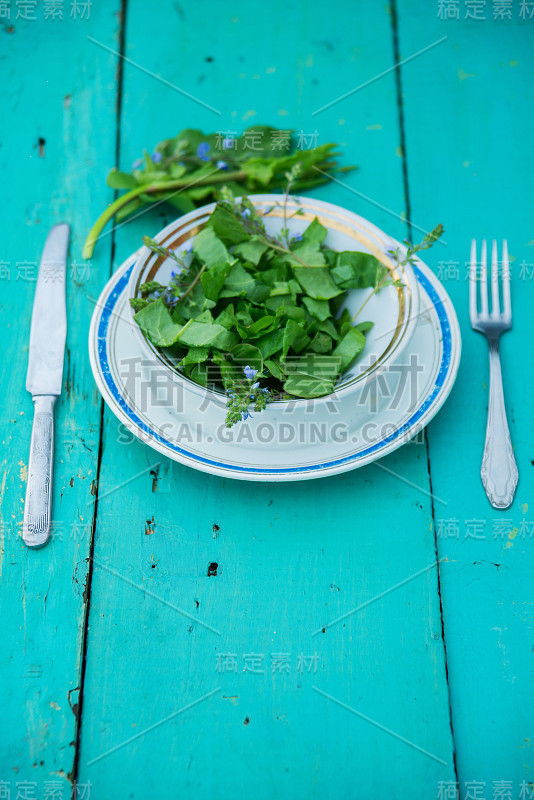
[156, 157]
[265, 391]
[222, 165]
[246, 213]
[245, 415]
[136, 164]
[255, 386]
[228, 143]
[249, 372]
[203, 150]
[297, 237]
[156, 295]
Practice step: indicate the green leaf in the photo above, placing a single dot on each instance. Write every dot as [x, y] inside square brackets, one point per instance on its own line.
[309, 253]
[266, 141]
[209, 248]
[204, 334]
[294, 287]
[177, 316]
[278, 273]
[295, 338]
[156, 323]
[213, 279]
[321, 343]
[275, 369]
[186, 142]
[238, 282]
[258, 171]
[201, 374]
[260, 325]
[196, 355]
[195, 303]
[344, 322]
[227, 317]
[225, 340]
[320, 309]
[349, 347]
[251, 251]
[271, 343]
[247, 355]
[177, 170]
[121, 180]
[330, 256]
[243, 313]
[364, 327]
[205, 316]
[280, 288]
[227, 226]
[328, 327]
[317, 283]
[279, 302]
[355, 270]
[315, 232]
[299, 384]
[290, 310]
[258, 292]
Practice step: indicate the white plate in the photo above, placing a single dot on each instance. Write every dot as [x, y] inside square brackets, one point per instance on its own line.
[300, 440]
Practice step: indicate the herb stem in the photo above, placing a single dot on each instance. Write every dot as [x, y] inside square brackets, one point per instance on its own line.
[193, 283]
[154, 188]
[287, 252]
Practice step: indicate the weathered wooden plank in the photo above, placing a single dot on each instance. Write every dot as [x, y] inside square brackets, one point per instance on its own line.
[289, 557]
[59, 101]
[468, 130]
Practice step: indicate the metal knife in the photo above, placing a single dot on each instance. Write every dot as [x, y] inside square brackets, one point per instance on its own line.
[43, 381]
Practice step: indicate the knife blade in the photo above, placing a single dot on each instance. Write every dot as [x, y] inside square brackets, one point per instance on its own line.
[44, 378]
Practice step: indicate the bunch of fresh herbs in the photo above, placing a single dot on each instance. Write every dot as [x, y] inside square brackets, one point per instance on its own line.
[260, 315]
[190, 170]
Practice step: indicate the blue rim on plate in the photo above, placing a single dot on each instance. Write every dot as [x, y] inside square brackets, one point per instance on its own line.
[433, 400]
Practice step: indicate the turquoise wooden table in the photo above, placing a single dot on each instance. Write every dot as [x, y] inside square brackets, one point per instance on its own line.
[129, 671]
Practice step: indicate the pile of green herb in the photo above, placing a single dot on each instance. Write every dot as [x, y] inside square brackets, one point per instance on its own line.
[190, 170]
[260, 315]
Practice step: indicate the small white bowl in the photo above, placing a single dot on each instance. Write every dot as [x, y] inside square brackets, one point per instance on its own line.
[393, 310]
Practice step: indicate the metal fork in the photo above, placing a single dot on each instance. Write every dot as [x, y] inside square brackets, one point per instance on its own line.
[499, 471]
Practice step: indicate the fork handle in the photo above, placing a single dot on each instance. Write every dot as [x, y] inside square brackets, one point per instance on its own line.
[499, 469]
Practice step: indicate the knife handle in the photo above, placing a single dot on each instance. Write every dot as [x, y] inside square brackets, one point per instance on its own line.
[36, 525]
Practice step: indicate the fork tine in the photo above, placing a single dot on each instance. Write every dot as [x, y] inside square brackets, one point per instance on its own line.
[473, 282]
[484, 280]
[507, 305]
[495, 309]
